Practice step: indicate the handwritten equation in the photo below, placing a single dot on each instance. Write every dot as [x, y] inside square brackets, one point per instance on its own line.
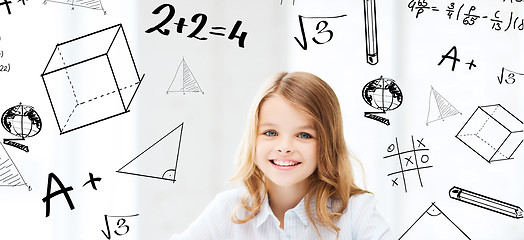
[4, 67]
[122, 227]
[323, 35]
[469, 15]
[200, 19]
[510, 77]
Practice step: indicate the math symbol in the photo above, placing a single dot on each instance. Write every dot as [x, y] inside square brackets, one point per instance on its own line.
[452, 55]
[509, 77]
[323, 33]
[63, 190]
[410, 161]
[122, 226]
[6, 3]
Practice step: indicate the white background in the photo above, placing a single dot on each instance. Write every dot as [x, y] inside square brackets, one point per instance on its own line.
[409, 52]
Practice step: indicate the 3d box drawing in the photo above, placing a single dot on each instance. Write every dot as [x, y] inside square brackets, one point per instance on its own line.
[91, 78]
[492, 132]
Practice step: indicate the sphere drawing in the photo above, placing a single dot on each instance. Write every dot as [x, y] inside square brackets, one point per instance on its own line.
[382, 94]
[22, 121]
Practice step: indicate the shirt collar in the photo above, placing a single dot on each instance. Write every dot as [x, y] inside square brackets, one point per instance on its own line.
[299, 210]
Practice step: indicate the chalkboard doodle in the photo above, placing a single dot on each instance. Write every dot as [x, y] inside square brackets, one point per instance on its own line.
[433, 224]
[122, 225]
[471, 64]
[439, 108]
[91, 79]
[160, 160]
[485, 202]
[88, 4]
[201, 20]
[410, 162]
[370, 23]
[7, 2]
[493, 133]
[382, 94]
[64, 191]
[509, 77]
[184, 80]
[22, 121]
[323, 34]
[9, 174]
[469, 15]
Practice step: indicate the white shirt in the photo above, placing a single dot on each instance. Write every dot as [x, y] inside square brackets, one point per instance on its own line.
[360, 221]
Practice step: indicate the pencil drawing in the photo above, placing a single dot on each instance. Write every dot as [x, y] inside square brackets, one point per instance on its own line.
[439, 107]
[87, 4]
[382, 94]
[493, 133]
[91, 78]
[434, 224]
[158, 161]
[184, 81]
[22, 121]
[485, 202]
[370, 27]
[9, 174]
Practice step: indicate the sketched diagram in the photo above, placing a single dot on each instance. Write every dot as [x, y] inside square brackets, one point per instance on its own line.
[493, 133]
[89, 4]
[439, 107]
[410, 162]
[485, 202]
[434, 224]
[22, 121]
[370, 20]
[159, 160]
[91, 78]
[9, 174]
[382, 94]
[184, 80]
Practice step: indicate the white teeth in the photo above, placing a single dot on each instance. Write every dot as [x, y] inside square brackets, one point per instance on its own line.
[284, 163]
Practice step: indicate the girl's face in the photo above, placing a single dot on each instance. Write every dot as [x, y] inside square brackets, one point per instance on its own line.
[286, 149]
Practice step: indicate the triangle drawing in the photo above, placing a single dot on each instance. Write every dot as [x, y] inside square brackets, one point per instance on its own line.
[184, 80]
[433, 224]
[159, 160]
[9, 174]
[439, 107]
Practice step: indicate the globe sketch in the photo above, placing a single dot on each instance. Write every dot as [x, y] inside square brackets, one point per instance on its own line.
[22, 121]
[382, 94]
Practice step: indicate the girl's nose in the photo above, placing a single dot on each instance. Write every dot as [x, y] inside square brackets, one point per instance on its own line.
[284, 146]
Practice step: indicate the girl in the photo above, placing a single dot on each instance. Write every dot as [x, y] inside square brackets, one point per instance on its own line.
[296, 170]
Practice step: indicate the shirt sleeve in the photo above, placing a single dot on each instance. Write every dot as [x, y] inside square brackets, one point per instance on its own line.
[368, 224]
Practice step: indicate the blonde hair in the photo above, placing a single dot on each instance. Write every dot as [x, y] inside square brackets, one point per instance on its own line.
[333, 178]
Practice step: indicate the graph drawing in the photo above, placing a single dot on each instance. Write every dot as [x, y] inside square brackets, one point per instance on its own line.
[184, 81]
[493, 133]
[9, 174]
[88, 4]
[439, 107]
[91, 78]
[433, 224]
[410, 162]
[160, 160]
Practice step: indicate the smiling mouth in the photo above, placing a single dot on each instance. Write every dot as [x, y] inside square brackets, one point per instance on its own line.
[284, 163]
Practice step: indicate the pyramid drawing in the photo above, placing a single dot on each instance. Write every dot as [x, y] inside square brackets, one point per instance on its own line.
[184, 81]
[433, 224]
[90, 4]
[9, 174]
[439, 107]
[159, 160]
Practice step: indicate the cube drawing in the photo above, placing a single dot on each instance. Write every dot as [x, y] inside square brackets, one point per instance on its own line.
[91, 78]
[492, 132]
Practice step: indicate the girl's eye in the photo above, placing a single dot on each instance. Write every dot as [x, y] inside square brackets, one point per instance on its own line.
[304, 135]
[270, 133]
